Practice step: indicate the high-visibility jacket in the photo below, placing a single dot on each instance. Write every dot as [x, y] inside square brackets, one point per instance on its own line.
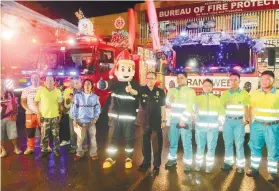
[208, 108]
[265, 105]
[235, 102]
[183, 103]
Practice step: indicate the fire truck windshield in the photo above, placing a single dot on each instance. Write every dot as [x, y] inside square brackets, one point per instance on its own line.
[215, 59]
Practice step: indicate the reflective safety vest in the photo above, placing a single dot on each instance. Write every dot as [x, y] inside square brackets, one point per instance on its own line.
[208, 108]
[235, 102]
[265, 105]
[183, 104]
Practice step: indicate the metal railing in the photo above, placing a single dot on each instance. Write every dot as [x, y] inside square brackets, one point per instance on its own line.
[267, 25]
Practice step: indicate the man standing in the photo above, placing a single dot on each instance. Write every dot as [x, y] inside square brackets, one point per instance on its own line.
[152, 101]
[182, 100]
[27, 102]
[209, 111]
[8, 119]
[236, 102]
[85, 111]
[68, 101]
[264, 113]
[48, 114]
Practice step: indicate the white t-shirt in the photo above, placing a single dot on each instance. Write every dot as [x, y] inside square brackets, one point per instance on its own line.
[29, 93]
[86, 97]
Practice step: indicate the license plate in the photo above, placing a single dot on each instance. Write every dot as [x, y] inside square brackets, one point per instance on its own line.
[23, 80]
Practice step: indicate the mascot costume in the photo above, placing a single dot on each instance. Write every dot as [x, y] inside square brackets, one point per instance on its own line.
[124, 91]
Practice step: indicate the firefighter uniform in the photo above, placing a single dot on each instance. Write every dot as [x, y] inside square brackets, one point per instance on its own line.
[265, 128]
[208, 111]
[150, 103]
[123, 114]
[181, 111]
[234, 130]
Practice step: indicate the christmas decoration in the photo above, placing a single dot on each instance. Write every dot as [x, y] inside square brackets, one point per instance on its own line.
[120, 39]
[218, 38]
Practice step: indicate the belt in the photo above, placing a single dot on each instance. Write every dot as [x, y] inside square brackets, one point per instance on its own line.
[84, 124]
[268, 123]
[234, 118]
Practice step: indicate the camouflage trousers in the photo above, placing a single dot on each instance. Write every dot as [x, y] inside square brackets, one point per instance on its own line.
[50, 125]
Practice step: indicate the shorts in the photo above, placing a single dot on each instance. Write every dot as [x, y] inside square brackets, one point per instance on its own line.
[31, 121]
[8, 126]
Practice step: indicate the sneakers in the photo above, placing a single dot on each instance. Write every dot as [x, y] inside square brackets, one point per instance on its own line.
[187, 168]
[17, 151]
[56, 153]
[252, 172]
[49, 149]
[226, 167]
[143, 167]
[239, 170]
[95, 157]
[156, 170]
[128, 163]
[170, 163]
[72, 151]
[108, 163]
[28, 151]
[272, 177]
[208, 170]
[63, 143]
[43, 154]
[76, 158]
[3, 153]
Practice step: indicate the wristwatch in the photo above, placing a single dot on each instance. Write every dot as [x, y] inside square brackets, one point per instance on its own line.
[164, 121]
[247, 122]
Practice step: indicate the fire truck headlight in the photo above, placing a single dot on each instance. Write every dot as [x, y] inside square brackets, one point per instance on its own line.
[60, 73]
[49, 73]
[73, 73]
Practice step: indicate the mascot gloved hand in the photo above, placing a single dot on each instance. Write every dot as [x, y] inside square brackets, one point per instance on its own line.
[124, 92]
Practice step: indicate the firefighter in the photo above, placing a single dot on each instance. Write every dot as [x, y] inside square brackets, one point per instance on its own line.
[123, 112]
[236, 102]
[182, 100]
[264, 112]
[209, 113]
[152, 101]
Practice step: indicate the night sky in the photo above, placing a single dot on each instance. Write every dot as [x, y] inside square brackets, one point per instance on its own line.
[67, 9]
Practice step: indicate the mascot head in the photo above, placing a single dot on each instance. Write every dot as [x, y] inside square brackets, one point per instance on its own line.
[125, 70]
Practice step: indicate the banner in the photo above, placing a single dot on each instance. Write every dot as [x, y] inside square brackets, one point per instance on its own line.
[250, 21]
[214, 8]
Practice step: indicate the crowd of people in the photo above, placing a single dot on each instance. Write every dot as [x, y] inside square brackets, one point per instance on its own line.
[79, 108]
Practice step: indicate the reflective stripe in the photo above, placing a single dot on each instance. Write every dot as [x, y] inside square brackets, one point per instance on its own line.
[178, 105]
[129, 150]
[123, 96]
[171, 158]
[126, 117]
[199, 157]
[274, 170]
[176, 114]
[235, 107]
[269, 163]
[266, 110]
[228, 158]
[209, 158]
[254, 165]
[186, 114]
[209, 163]
[121, 116]
[187, 161]
[112, 150]
[240, 163]
[234, 112]
[199, 161]
[208, 113]
[207, 124]
[112, 115]
[266, 118]
[255, 159]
